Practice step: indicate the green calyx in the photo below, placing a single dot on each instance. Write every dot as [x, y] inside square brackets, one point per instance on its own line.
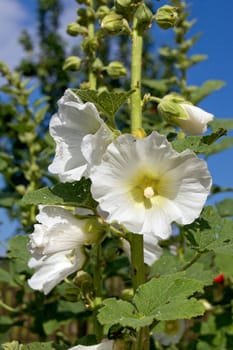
[170, 109]
[94, 229]
[166, 16]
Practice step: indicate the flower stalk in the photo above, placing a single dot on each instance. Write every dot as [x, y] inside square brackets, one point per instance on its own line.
[138, 278]
[91, 34]
[136, 63]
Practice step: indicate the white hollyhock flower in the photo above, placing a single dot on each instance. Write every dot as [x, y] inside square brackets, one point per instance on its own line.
[104, 345]
[81, 137]
[145, 185]
[172, 332]
[197, 119]
[56, 247]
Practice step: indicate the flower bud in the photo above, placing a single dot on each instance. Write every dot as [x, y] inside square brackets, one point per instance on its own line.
[97, 65]
[75, 29]
[72, 63]
[90, 45]
[166, 16]
[116, 70]
[85, 16]
[191, 119]
[102, 11]
[115, 24]
[124, 6]
[144, 17]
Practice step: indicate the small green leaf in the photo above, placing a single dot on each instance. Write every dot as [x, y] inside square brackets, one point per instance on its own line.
[18, 253]
[221, 123]
[106, 102]
[74, 194]
[205, 90]
[6, 277]
[204, 144]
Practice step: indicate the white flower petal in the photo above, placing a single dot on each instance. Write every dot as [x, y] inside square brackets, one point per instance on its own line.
[52, 269]
[68, 127]
[145, 185]
[197, 119]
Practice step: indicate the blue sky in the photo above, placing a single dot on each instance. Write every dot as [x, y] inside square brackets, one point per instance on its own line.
[214, 21]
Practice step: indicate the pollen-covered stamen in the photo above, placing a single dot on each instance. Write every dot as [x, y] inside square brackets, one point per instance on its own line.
[149, 192]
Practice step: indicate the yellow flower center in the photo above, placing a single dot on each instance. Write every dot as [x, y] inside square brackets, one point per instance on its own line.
[144, 189]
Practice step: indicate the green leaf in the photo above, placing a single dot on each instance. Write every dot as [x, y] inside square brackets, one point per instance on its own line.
[224, 262]
[74, 194]
[221, 123]
[6, 277]
[211, 233]
[170, 303]
[106, 102]
[164, 298]
[225, 207]
[18, 252]
[204, 144]
[205, 90]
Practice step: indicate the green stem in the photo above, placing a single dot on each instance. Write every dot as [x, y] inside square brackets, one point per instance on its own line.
[138, 278]
[136, 63]
[137, 259]
[91, 34]
[97, 281]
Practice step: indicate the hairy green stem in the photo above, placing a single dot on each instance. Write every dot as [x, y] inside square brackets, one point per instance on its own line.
[97, 280]
[91, 34]
[136, 63]
[138, 278]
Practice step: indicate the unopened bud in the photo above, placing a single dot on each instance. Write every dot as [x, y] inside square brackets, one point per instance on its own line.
[97, 65]
[115, 24]
[90, 45]
[191, 119]
[144, 17]
[75, 29]
[116, 70]
[85, 16]
[125, 6]
[166, 16]
[72, 63]
[102, 11]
